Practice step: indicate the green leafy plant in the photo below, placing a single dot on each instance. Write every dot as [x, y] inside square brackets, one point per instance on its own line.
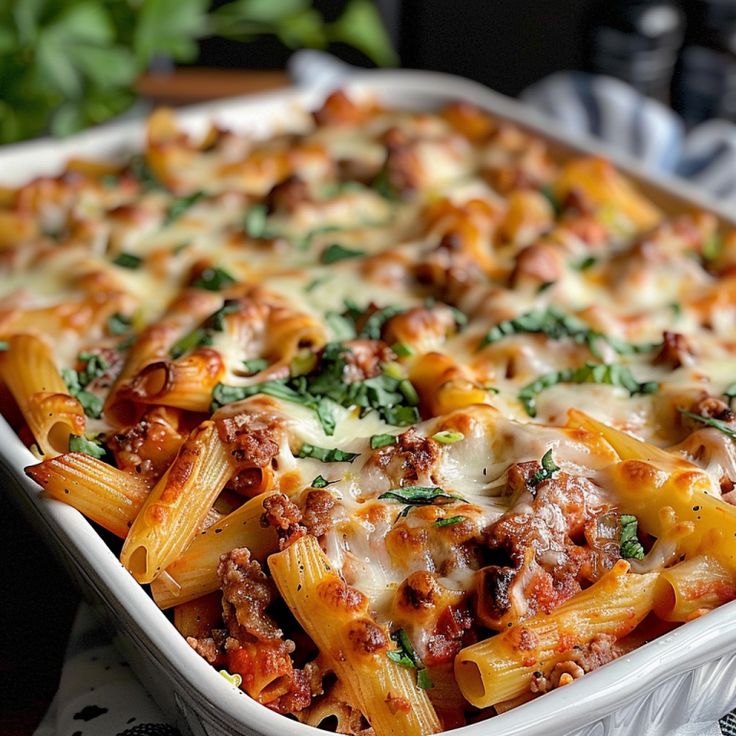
[68, 64]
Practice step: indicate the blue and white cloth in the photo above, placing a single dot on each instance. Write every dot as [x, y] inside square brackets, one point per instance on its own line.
[98, 694]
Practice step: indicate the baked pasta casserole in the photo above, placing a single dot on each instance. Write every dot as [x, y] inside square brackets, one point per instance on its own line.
[405, 419]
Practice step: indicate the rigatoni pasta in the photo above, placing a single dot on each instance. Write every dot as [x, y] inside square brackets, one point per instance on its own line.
[405, 418]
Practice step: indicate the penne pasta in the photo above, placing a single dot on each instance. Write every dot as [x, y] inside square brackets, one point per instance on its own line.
[693, 587]
[501, 668]
[177, 505]
[28, 370]
[110, 497]
[194, 574]
[338, 621]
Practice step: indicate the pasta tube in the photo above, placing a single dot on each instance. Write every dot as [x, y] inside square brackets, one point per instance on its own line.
[177, 505]
[110, 497]
[336, 617]
[501, 668]
[195, 573]
[28, 369]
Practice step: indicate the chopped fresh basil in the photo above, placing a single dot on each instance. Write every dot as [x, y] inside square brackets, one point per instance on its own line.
[77, 382]
[611, 374]
[585, 263]
[718, 424]
[125, 344]
[555, 324]
[315, 283]
[200, 337]
[548, 193]
[406, 656]
[402, 349]
[324, 384]
[400, 416]
[255, 365]
[138, 166]
[4, 345]
[109, 181]
[305, 241]
[255, 221]
[630, 546]
[179, 206]
[448, 436]
[373, 326]
[449, 520]
[119, 324]
[382, 440]
[216, 321]
[127, 260]
[382, 185]
[418, 495]
[79, 443]
[548, 469]
[214, 279]
[342, 328]
[336, 252]
[95, 366]
[204, 335]
[327, 454]
[320, 482]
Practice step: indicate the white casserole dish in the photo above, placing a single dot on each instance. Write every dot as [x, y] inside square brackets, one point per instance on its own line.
[687, 676]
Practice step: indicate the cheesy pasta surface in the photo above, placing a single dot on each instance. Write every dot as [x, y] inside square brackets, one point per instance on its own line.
[403, 419]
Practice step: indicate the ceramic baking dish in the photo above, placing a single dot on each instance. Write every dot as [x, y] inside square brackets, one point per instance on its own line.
[688, 675]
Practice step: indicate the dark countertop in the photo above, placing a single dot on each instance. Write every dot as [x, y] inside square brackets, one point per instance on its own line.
[38, 605]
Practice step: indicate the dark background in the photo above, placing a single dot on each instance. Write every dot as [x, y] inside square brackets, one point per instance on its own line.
[506, 44]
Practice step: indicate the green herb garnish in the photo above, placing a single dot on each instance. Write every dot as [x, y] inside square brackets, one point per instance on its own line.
[373, 326]
[79, 443]
[327, 454]
[402, 349]
[214, 279]
[718, 424]
[630, 545]
[200, 337]
[611, 374]
[127, 260]
[406, 656]
[4, 345]
[585, 263]
[77, 382]
[382, 185]
[549, 468]
[418, 495]
[255, 221]
[320, 482]
[336, 252]
[449, 521]
[255, 365]
[179, 206]
[325, 386]
[119, 324]
[382, 440]
[555, 324]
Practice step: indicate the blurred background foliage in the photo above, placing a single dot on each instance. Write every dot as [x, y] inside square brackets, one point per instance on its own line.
[68, 64]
